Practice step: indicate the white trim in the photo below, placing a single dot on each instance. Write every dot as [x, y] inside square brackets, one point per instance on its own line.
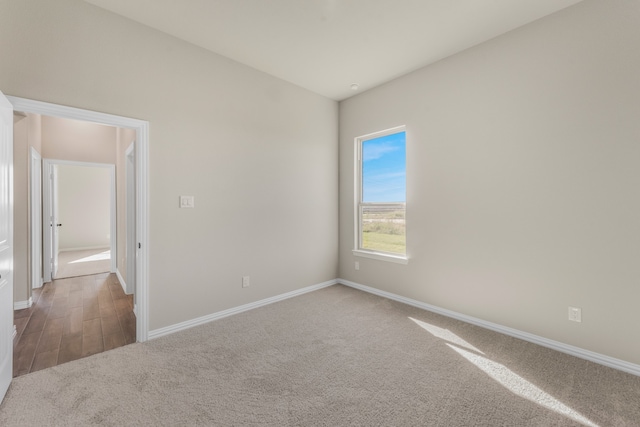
[581, 353]
[15, 332]
[85, 248]
[398, 259]
[157, 333]
[121, 280]
[380, 134]
[86, 164]
[142, 188]
[7, 249]
[21, 305]
[142, 231]
[35, 217]
[130, 218]
[47, 234]
[357, 193]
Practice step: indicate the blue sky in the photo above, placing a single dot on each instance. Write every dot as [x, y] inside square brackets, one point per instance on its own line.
[384, 169]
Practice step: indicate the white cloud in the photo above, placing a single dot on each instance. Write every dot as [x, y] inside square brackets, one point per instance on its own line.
[373, 152]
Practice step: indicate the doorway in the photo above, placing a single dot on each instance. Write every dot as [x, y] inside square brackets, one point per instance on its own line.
[80, 230]
[141, 215]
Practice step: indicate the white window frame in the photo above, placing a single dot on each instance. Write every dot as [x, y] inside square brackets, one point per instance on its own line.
[358, 250]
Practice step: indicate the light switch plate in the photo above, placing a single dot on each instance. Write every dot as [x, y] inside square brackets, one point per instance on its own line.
[187, 202]
[575, 314]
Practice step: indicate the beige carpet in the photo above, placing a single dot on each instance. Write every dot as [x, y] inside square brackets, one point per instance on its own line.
[83, 263]
[334, 357]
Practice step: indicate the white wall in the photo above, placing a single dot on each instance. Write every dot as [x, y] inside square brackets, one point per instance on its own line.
[84, 207]
[260, 155]
[65, 139]
[522, 179]
[20, 209]
[27, 134]
[522, 167]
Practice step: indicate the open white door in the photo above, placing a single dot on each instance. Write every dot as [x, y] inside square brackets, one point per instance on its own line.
[50, 219]
[35, 217]
[55, 226]
[6, 244]
[130, 207]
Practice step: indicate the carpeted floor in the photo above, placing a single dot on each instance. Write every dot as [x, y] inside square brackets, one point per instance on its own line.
[334, 357]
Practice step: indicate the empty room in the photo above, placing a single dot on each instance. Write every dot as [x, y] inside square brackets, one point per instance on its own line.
[347, 212]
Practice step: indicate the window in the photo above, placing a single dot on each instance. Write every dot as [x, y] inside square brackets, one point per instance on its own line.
[381, 195]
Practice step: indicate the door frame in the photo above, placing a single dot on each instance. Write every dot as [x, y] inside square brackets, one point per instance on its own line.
[130, 220]
[49, 220]
[51, 197]
[35, 217]
[141, 128]
[7, 327]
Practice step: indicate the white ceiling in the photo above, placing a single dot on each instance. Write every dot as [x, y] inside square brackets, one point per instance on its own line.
[327, 45]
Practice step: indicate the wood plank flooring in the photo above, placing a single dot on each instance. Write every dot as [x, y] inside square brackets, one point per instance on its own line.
[70, 319]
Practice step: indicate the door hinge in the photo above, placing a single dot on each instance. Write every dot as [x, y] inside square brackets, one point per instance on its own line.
[139, 245]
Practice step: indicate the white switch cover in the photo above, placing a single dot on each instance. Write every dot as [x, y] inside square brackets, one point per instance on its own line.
[575, 314]
[186, 202]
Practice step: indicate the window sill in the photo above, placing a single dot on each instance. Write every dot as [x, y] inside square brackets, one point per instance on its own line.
[398, 259]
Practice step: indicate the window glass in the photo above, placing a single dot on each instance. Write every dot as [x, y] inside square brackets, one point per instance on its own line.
[382, 193]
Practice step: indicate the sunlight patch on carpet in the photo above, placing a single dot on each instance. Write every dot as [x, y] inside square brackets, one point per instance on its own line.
[518, 385]
[445, 334]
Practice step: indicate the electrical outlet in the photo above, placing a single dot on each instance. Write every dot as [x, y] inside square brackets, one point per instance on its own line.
[357, 265]
[575, 314]
[186, 202]
[245, 281]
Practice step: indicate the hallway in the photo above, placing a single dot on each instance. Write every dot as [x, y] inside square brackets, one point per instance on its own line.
[71, 319]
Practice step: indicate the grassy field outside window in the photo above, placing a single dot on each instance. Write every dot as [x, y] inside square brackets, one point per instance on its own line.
[384, 228]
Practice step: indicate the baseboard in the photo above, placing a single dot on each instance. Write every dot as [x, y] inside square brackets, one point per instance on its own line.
[41, 282]
[601, 359]
[157, 333]
[121, 280]
[85, 248]
[21, 305]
